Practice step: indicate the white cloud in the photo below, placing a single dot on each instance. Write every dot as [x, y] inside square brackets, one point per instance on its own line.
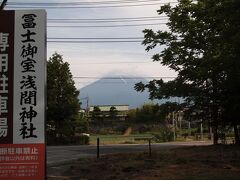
[85, 59]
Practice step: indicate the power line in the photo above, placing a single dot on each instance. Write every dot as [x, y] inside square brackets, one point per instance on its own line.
[117, 82]
[147, 77]
[85, 3]
[86, 7]
[121, 81]
[94, 41]
[106, 19]
[133, 62]
[109, 38]
[121, 25]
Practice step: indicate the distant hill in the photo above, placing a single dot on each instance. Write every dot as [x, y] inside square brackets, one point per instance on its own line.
[114, 92]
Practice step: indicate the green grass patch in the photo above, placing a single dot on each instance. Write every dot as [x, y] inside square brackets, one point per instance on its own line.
[119, 139]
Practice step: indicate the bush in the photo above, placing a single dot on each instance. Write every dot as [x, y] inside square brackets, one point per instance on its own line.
[80, 140]
[121, 128]
[164, 135]
[144, 129]
[74, 140]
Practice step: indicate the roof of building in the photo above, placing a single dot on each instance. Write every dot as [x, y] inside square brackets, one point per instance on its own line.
[107, 107]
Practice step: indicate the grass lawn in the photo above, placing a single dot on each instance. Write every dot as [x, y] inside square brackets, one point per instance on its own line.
[221, 162]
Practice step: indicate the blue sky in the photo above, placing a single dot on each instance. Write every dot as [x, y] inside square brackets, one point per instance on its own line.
[104, 59]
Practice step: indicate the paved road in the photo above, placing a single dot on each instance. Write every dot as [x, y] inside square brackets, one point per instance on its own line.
[58, 154]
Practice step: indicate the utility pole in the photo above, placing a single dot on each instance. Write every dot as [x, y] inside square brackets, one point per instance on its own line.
[211, 133]
[87, 108]
[189, 128]
[201, 130]
[3, 5]
[87, 102]
[174, 129]
[180, 117]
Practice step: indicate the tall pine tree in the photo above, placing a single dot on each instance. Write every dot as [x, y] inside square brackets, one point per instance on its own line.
[62, 98]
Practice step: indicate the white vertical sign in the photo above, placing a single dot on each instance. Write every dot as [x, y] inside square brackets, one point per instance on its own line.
[29, 77]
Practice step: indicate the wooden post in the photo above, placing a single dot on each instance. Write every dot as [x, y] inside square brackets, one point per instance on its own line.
[98, 148]
[150, 148]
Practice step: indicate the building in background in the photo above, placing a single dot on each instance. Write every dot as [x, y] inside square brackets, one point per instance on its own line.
[108, 112]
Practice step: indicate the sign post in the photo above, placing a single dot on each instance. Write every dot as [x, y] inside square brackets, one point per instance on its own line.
[22, 94]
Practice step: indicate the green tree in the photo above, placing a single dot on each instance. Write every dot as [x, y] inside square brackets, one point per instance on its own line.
[81, 124]
[113, 112]
[97, 114]
[148, 114]
[62, 98]
[202, 46]
[153, 113]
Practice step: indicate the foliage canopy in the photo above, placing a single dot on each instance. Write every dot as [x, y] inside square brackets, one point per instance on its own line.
[202, 46]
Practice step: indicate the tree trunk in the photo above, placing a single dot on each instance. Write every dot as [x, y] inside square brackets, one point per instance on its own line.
[236, 133]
